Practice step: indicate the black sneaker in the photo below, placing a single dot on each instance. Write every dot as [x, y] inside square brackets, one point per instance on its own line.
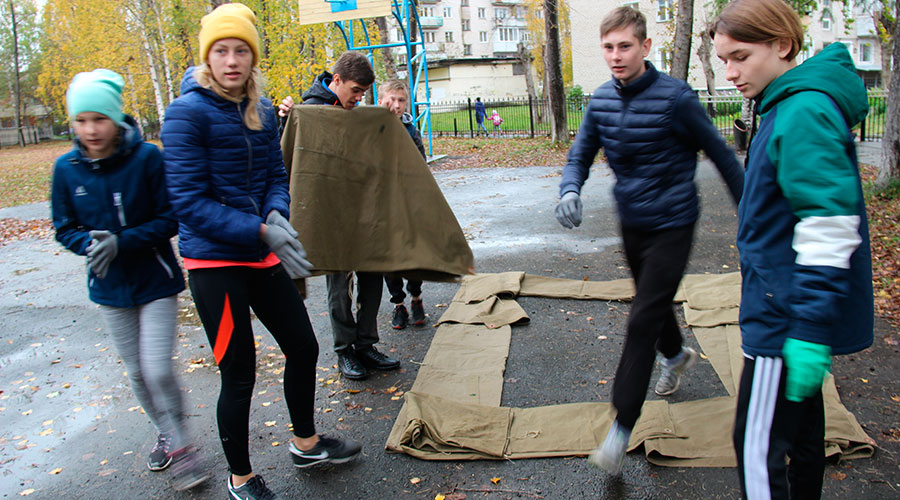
[187, 468]
[401, 317]
[418, 312]
[254, 489]
[159, 456]
[372, 358]
[327, 450]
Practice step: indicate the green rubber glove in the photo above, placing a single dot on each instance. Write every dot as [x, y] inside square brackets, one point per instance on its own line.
[807, 363]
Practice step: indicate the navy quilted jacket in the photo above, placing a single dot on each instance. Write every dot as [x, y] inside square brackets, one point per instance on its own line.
[126, 195]
[223, 178]
[651, 130]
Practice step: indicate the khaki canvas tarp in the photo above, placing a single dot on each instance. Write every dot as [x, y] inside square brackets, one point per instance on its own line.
[363, 199]
[453, 411]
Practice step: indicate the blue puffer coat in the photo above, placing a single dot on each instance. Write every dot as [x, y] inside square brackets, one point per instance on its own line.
[126, 195]
[223, 178]
[651, 130]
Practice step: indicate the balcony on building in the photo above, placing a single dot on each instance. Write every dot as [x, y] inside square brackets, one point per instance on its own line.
[505, 47]
[507, 2]
[431, 21]
[511, 22]
[429, 1]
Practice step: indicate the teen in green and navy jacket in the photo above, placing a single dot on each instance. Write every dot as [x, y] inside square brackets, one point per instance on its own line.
[803, 239]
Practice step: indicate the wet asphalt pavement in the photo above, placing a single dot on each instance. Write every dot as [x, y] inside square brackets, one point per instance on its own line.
[70, 427]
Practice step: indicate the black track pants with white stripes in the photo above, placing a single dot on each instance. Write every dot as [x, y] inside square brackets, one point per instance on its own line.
[769, 428]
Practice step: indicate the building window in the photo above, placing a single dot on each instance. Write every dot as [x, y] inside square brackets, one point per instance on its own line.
[467, 50]
[428, 11]
[633, 4]
[509, 35]
[429, 36]
[500, 13]
[464, 3]
[826, 21]
[399, 34]
[482, 36]
[466, 25]
[865, 52]
[480, 12]
[665, 11]
[539, 13]
[826, 4]
[663, 60]
[447, 11]
[448, 36]
[526, 36]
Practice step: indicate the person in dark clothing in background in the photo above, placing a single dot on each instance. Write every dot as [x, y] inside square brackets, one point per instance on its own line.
[650, 126]
[354, 338]
[480, 114]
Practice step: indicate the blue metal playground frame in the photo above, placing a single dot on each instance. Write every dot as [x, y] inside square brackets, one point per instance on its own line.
[416, 66]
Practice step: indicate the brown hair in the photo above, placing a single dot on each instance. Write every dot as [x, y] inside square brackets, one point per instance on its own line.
[253, 89]
[760, 21]
[354, 67]
[623, 17]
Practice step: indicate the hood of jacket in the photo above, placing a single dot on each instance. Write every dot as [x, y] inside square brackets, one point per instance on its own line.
[832, 72]
[320, 93]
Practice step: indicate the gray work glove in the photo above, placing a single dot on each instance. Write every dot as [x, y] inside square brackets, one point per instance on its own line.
[276, 219]
[100, 253]
[289, 250]
[568, 212]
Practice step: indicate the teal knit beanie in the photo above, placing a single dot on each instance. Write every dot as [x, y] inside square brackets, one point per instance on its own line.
[99, 91]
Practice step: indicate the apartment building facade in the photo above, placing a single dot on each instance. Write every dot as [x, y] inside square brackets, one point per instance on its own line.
[824, 26]
[471, 47]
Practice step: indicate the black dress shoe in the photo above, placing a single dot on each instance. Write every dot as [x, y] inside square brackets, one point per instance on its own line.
[350, 366]
[371, 358]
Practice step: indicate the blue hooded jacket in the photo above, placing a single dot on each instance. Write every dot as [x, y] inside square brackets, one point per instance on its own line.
[126, 195]
[223, 178]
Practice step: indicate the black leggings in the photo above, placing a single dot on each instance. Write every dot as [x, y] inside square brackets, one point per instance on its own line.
[224, 297]
[657, 260]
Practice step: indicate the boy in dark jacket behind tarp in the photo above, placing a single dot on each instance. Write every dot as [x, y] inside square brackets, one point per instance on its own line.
[651, 126]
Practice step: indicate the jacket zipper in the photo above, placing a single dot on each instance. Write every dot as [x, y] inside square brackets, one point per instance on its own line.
[163, 263]
[117, 201]
[249, 171]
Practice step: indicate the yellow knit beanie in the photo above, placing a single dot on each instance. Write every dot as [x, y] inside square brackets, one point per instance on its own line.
[229, 20]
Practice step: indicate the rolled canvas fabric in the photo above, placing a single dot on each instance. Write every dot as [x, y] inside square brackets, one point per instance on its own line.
[363, 199]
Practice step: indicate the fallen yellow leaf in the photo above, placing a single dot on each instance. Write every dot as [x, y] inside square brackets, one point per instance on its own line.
[439, 497]
[391, 389]
[275, 443]
[415, 480]
[495, 480]
[864, 380]
[270, 423]
[27, 492]
[327, 410]
[46, 432]
[47, 422]
[26, 412]
[56, 470]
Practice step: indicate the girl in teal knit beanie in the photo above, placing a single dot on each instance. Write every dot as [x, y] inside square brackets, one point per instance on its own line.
[110, 204]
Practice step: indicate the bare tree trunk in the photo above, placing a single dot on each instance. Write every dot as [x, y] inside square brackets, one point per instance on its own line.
[390, 67]
[887, 47]
[681, 50]
[154, 79]
[18, 94]
[890, 143]
[556, 91]
[525, 58]
[170, 89]
[704, 52]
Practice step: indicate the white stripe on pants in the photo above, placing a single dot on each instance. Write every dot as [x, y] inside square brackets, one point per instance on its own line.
[761, 410]
[144, 336]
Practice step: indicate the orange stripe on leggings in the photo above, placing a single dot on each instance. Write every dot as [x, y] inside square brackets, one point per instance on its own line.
[223, 336]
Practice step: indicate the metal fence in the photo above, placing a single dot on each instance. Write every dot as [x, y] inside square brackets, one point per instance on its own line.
[527, 117]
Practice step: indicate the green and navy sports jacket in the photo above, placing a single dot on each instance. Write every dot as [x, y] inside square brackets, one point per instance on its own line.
[803, 234]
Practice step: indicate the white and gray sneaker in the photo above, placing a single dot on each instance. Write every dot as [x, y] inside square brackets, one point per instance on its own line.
[670, 377]
[611, 454]
[254, 489]
[327, 450]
